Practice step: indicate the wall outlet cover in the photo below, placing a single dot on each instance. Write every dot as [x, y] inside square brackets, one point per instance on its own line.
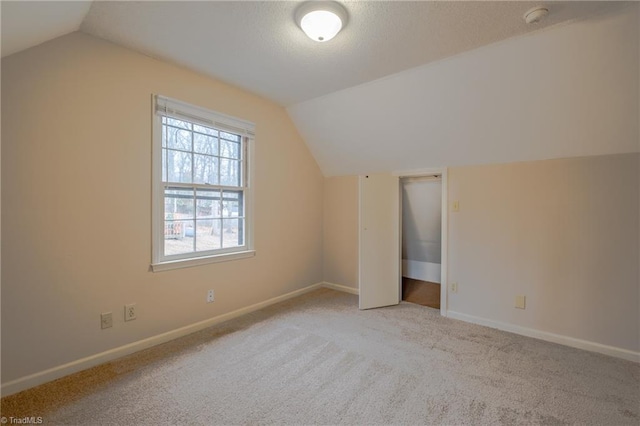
[130, 312]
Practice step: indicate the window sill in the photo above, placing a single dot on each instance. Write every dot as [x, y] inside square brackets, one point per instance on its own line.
[188, 263]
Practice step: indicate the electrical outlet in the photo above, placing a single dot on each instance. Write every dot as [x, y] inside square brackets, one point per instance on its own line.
[454, 287]
[106, 320]
[210, 296]
[455, 206]
[130, 312]
[521, 302]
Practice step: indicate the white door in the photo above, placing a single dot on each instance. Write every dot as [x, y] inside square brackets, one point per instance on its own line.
[379, 248]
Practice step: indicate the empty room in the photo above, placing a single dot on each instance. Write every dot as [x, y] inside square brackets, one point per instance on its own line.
[319, 212]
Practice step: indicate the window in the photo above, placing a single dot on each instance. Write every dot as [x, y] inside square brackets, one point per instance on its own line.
[201, 191]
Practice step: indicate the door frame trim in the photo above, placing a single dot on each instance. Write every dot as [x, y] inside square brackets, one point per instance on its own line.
[444, 249]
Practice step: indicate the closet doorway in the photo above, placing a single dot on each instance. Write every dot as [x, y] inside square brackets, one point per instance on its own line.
[422, 227]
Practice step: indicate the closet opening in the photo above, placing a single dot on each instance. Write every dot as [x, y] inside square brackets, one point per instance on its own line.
[422, 240]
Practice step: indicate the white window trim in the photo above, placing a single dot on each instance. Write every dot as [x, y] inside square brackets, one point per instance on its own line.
[223, 122]
[202, 260]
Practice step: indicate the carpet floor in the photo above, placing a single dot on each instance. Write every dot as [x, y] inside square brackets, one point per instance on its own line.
[317, 359]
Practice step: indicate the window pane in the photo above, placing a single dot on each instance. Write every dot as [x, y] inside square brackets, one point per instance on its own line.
[229, 149]
[207, 234]
[168, 136]
[230, 137]
[207, 204]
[229, 172]
[183, 140]
[232, 232]
[178, 237]
[205, 169]
[232, 204]
[173, 230]
[176, 138]
[164, 165]
[177, 123]
[205, 144]
[206, 130]
[178, 204]
[178, 226]
[178, 166]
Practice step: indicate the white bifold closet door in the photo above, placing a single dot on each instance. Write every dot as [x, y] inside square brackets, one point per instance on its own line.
[379, 248]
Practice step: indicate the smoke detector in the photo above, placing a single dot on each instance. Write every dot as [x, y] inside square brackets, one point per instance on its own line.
[535, 15]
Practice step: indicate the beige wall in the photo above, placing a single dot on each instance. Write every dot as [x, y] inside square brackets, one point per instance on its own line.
[340, 232]
[564, 233]
[76, 203]
[638, 100]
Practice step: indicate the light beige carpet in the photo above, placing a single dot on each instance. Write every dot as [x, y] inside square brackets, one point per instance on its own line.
[317, 359]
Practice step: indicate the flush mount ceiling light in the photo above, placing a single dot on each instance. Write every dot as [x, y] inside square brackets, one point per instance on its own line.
[533, 16]
[321, 20]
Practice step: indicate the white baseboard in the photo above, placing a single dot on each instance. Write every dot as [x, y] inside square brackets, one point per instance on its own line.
[424, 271]
[48, 375]
[550, 337]
[339, 287]
[54, 373]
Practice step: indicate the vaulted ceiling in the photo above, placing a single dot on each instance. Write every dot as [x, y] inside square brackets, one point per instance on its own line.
[386, 44]
[258, 46]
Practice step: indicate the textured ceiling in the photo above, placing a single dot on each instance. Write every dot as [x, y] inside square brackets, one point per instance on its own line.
[28, 23]
[570, 91]
[257, 45]
[559, 92]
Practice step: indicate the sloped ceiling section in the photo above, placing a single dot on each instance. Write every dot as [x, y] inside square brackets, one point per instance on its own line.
[563, 92]
[555, 90]
[258, 46]
[28, 23]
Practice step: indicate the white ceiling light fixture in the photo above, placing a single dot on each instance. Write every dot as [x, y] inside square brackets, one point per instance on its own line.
[533, 16]
[321, 20]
